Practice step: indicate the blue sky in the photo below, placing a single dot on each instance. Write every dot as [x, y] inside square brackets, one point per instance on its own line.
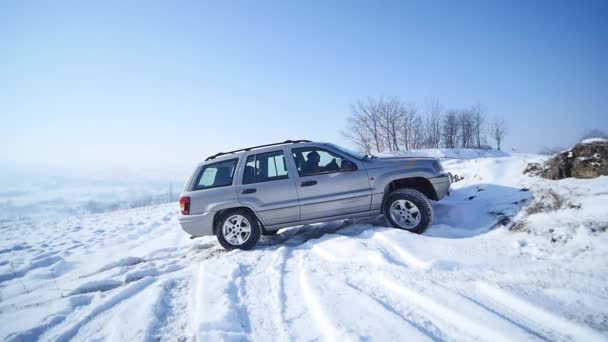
[158, 85]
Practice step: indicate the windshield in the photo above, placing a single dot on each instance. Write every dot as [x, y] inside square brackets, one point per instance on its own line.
[354, 154]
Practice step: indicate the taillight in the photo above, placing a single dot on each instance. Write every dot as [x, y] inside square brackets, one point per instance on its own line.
[184, 205]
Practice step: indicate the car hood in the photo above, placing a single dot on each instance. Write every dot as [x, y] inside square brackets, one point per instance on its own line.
[395, 161]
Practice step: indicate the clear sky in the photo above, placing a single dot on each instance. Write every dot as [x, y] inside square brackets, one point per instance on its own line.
[147, 84]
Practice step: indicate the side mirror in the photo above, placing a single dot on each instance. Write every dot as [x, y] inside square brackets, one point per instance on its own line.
[347, 165]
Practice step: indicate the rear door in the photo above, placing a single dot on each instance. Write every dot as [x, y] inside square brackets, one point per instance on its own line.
[268, 188]
[329, 184]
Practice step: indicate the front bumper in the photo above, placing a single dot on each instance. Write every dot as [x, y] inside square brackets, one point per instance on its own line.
[441, 185]
[197, 225]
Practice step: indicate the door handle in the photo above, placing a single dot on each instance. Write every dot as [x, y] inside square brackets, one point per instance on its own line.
[308, 183]
[248, 191]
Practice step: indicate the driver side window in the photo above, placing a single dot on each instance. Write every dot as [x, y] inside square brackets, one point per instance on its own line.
[312, 161]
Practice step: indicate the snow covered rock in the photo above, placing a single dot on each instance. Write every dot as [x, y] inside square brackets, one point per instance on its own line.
[533, 169]
[589, 159]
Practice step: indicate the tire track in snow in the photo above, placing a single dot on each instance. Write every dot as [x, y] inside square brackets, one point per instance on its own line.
[442, 304]
[168, 310]
[444, 313]
[417, 309]
[278, 280]
[506, 317]
[223, 314]
[33, 264]
[405, 256]
[550, 322]
[391, 264]
[161, 309]
[50, 321]
[351, 308]
[129, 292]
[198, 300]
[433, 333]
[329, 331]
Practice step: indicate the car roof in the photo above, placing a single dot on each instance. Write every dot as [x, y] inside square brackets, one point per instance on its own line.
[239, 154]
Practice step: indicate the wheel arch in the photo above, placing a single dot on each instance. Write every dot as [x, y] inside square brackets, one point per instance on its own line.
[418, 183]
[220, 212]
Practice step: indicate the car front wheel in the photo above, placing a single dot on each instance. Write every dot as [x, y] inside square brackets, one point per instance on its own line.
[237, 229]
[408, 209]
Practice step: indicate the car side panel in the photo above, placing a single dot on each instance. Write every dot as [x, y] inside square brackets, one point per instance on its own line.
[336, 193]
[275, 201]
[204, 204]
[365, 214]
[210, 200]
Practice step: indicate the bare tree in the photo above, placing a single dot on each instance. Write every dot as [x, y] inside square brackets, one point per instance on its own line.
[449, 129]
[418, 135]
[432, 124]
[478, 121]
[359, 135]
[390, 111]
[594, 133]
[367, 115]
[408, 121]
[379, 124]
[498, 131]
[465, 129]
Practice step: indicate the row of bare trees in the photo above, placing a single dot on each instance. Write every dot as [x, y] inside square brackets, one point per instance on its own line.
[388, 124]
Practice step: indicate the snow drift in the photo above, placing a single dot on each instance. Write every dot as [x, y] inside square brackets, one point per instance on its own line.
[509, 257]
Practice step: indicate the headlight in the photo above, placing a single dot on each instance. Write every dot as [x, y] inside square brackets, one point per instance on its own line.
[437, 166]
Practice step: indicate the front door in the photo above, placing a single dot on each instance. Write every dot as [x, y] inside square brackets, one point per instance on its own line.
[329, 184]
[266, 187]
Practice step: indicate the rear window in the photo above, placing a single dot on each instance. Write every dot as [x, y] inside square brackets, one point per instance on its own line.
[216, 175]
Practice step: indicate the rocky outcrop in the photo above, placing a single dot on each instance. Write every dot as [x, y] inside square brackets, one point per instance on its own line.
[533, 169]
[588, 159]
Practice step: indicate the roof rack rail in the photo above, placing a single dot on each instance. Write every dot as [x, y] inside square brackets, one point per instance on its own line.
[259, 146]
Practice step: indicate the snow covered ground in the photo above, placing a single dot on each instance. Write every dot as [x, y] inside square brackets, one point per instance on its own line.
[509, 257]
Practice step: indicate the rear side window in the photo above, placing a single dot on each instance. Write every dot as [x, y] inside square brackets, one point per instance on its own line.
[265, 167]
[216, 175]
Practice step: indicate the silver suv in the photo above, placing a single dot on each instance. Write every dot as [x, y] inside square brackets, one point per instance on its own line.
[240, 195]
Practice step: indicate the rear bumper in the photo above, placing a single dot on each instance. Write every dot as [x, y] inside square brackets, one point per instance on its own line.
[197, 225]
[441, 185]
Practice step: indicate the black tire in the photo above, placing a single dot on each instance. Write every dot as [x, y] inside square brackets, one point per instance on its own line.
[253, 238]
[417, 198]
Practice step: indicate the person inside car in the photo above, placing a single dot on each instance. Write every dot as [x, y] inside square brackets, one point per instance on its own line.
[312, 163]
[332, 166]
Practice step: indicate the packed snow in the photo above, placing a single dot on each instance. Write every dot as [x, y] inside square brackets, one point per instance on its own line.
[508, 257]
[593, 140]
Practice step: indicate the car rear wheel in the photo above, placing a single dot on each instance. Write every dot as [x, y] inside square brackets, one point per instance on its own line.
[408, 209]
[237, 229]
